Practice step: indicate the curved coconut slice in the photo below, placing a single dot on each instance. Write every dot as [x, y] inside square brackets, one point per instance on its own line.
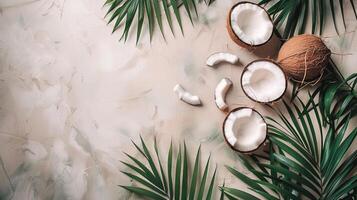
[263, 81]
[217, 58]
[186, 96]
[244, 129]
[220, 93]
[249, 24]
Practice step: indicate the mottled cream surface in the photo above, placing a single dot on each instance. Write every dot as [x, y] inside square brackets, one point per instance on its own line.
[72, 96]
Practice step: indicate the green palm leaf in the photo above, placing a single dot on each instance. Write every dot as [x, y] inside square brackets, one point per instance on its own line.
[124, 11]
[297, 168]
[337, 96]
[294, 14]
[178, 183]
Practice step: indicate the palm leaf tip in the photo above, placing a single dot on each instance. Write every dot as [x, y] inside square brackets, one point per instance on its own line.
[293, 14]
[124, 11]
[177, 183]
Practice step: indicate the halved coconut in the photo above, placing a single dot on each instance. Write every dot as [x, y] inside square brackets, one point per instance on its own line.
[249, 24]
[244, 129]
[263, 81]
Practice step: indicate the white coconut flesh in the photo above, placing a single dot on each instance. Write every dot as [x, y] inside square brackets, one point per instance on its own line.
[220, 93]
[245, 129]
[185, 96]
[251, 24]
[263, 81]
[217, 58]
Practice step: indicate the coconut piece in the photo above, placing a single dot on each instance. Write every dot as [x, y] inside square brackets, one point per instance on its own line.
[263, 81]
[304, 57]
[244, 129]
[186, 96]
[220, 93]
[217, 58]
[249, 24]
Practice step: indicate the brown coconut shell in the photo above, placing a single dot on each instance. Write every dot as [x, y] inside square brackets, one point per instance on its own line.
[232, 147]
[268, 60]
[234, 37]
[304, 58]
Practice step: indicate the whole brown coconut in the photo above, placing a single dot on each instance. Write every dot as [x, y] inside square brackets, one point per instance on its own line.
[304, 58]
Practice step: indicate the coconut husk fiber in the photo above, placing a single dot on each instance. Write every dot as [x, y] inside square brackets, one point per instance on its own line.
[304, 58]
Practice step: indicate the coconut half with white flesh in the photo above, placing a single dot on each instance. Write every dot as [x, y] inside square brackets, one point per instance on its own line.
[263, 81]
[244, 129]
[249, 24]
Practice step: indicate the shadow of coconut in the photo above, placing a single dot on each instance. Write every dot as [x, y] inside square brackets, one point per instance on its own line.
[268, 50]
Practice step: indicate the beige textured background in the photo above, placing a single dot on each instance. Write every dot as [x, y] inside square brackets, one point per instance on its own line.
[72, 96]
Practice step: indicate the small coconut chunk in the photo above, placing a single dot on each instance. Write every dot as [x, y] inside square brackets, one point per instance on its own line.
[244, 129]
[217, 58]
[263, 81]
[251, 23]
[220, 93]
[186, 96]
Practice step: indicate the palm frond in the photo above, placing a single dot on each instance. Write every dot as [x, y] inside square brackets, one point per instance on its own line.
[177, 183]
[335, 96]
[122, 12]
[294, 14]
[298, 168]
